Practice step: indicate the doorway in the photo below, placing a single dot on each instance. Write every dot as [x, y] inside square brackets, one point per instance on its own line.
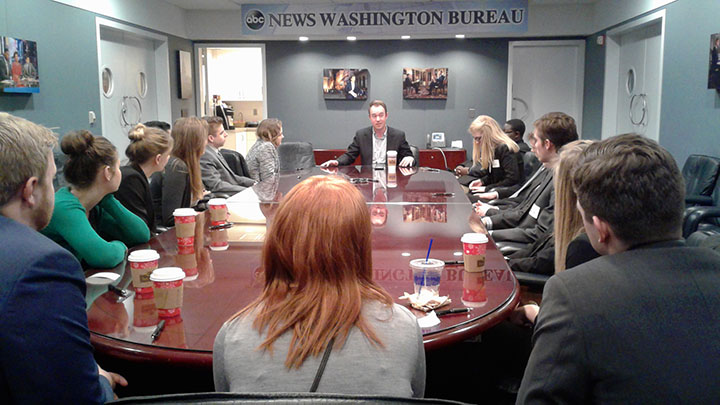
[633, 77]
[233, 76]
[132, 62]
[545, 76]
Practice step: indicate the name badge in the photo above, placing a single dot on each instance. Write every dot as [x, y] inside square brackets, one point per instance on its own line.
[496, 163]
[534, 211]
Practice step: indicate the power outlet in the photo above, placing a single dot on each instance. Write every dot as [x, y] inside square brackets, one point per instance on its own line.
[254, 111]
[471, 113]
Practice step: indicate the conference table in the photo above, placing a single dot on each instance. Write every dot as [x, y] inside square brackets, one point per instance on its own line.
[408, 208]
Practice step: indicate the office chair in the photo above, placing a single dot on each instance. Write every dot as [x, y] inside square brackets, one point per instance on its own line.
[276, 398]
[296, 156]
[700, 173]
[236, 161]
[416, 155]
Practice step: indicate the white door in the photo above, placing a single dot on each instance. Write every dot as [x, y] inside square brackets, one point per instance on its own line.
[633, 78]
[131, 64]
[543, 77]
[638, 104]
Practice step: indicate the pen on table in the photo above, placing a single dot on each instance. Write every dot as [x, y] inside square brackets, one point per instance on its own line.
[119, 291]
[454, 262]
[158, 329]
[221, 226]
[453, 311]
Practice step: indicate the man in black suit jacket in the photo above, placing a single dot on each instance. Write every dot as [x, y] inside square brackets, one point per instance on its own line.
[639, 324]
[372, 143]
[526, 222]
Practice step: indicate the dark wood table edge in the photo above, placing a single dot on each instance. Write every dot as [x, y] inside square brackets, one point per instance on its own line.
[140, 353]
[442, 339]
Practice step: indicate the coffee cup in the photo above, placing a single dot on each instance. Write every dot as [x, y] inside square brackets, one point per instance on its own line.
[142, 264]
[474, 294]
[185, 226]
[218, 211]
[219, 239]
[474, 247]
[145, 315]
[391, 160]
[427, 275]
[168, 290]
[392, 179]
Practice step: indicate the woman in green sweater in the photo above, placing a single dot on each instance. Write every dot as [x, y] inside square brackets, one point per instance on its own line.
[88, 220]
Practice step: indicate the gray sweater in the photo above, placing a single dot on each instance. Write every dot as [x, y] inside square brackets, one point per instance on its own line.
[356, 368]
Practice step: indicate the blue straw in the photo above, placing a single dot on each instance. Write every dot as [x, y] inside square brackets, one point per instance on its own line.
[428, 253]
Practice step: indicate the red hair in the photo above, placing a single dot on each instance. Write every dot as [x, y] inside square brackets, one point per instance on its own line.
[318, 269]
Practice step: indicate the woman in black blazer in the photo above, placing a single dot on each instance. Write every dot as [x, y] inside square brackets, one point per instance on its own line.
[149, 151]
[496, 161]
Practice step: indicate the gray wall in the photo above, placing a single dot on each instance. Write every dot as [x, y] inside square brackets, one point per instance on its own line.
[68, 70]
[690, 112]
[67, 63]
[477, 78]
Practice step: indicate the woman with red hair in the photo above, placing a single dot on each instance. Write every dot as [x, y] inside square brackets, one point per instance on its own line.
[320, 300]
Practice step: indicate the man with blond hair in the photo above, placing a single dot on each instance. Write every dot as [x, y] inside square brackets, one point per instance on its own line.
[45, 351]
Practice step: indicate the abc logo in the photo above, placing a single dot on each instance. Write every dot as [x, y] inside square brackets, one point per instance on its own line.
[255, 19]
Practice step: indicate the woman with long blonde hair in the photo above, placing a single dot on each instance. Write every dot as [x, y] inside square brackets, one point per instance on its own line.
[496, 161]
[182, 180]
[571, 244]
[320, 297]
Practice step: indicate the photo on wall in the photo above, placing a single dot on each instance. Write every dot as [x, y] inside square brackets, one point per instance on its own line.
[18, 66]
[425, 83]
[714, 71]
[345, 84]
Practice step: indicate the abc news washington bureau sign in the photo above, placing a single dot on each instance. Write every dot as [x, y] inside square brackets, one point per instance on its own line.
[385, 18]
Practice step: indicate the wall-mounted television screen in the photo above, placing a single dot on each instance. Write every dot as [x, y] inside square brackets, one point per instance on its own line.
[425, 83]
[714, 72]
[345, 84]
[18, 66]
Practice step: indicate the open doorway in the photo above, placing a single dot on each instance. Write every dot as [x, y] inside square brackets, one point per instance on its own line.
[232, 86]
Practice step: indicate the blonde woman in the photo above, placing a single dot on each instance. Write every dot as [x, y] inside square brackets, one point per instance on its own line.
[262, 158]
[148, 152]
[496, 162]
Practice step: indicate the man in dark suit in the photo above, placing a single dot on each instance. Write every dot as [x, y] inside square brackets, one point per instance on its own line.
[526, 222]
[45, 354]
[5, 73]
[639, 324]
[217, 175]
[372, 143]
[515, 129]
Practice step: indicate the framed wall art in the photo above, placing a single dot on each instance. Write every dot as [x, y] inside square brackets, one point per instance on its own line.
[345, 84]
[425, 83]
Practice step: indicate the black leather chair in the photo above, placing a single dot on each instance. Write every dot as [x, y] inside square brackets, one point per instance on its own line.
[700, 173]
[236, 161]
[296, 156]
[275, 398]
[705, 216]
[416, 155]
[156, 180]
[60, 160]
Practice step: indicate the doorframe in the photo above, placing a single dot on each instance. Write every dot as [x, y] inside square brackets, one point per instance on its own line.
[581, 72]
[162, 66]
[612, 68]
[201, 71]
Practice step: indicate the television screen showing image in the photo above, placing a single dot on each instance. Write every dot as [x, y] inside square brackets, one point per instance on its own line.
[425, 83]
[18, 66]
[345, 84]
[714, 71]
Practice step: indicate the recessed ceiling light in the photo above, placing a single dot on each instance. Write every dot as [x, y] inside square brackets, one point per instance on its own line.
[405, 37]
[303, 39]
[351, 38]
[406, 254]
[460, 36]
[457, 253]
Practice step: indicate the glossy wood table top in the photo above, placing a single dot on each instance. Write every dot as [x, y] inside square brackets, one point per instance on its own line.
[229, 280]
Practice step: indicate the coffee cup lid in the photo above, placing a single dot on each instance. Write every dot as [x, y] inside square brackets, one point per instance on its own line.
[217, 201]
[184, 212]
[167, 274]
[392, 153]
[431, 263]
[474, 238]
[145, 255]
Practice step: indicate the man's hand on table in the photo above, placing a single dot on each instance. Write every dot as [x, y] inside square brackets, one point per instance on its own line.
[407, 161]
[329, 163]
